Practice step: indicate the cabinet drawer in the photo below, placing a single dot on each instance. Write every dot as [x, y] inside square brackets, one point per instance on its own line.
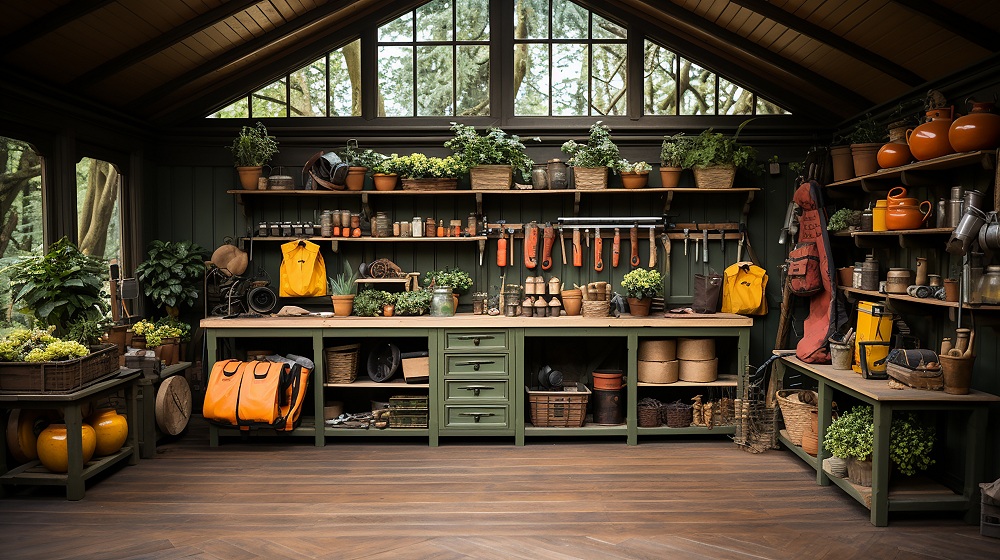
[472, 417]
[488, 389]
[474, 340]
[476, 365]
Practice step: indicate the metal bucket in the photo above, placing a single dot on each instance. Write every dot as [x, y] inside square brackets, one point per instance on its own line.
[609, 407]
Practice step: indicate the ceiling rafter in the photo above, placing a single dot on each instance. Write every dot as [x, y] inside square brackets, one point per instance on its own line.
[158, 44]
[968, 29]
[50, 22]
[819, 33]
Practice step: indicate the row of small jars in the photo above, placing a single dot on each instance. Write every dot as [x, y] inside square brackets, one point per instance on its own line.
[538, 307]
[536, 285]
[422, 227]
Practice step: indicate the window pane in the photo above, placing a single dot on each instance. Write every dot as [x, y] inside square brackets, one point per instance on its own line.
[238, 109]
[473, 20]
[399, 29]
[269, 101]
[765, 107]
[395, 78]
[434, 21]
[608, 80]
[98, 223]
[659, 83]
[531, 79]
[435, 95]
[733, 99]
[307, 90]
[345, 80]
[698, 89]
[569, 20]
[606, 29]
[473, 80]
[569, 79]
[20, 200]
[531, 19]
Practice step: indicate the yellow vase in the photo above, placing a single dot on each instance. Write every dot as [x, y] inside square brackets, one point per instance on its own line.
[111, 429]
[52, 447]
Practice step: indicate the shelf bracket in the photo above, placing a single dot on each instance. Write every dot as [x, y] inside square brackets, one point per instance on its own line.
[364, 208]
[746, 205]
[479, 204]
[335, 245]
[670, 200]
[576, 203]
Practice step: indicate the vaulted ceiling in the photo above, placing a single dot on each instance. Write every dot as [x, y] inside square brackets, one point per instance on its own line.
[167, 60]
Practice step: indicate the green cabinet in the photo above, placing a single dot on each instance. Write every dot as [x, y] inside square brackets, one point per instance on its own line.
[475, 396]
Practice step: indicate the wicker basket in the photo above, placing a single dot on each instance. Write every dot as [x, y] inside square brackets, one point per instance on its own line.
[715, 177]
[491, 177]
[342, 363]
[596, 308]
[649, 413]
[430, 184]
[590, 178]
[60, 377]
[795, 412]
[676, 414]
[559, 409]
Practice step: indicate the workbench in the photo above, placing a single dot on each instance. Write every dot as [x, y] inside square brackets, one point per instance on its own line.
[880, 499]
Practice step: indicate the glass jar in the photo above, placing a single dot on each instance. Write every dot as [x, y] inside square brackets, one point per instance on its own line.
[382, 224]
[442, 302]
[417, 226]
[430, 227]
[989, 285]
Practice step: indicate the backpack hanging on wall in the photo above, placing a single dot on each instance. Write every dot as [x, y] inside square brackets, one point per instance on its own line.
[804, 276]
[303, 271]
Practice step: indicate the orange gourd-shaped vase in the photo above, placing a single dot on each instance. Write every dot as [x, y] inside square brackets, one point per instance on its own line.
[979, 130]
[53, 451]
[896, 152]
[111, 429]
[930, 140]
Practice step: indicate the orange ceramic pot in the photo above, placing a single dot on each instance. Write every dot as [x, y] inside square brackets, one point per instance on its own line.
[897, 197]
[930, 140]
[385, 182]
[632, 180]
[111, 430]
[355, 178]
[843, 164]
[979, 130]
[670, 176]
[53, 449]
[894, 154]
[905, 216]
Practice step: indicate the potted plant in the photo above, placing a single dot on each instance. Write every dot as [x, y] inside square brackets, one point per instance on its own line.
[383, 169]
[635, 175]
[490, 158]
[714, 158]
[592, 160]
[642, 285]
[419, 172]
[341, 290]
[852, 437]
[866, 139]
[774, 166]
[172, 274]
[351, 155]
[59, 288]
[371, 303]
[178, 329]
[416, 302]
[38, 345]
[672, 153]
[252, 149]
[457, 279]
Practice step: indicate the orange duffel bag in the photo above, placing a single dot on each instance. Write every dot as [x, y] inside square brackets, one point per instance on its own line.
[255, 394]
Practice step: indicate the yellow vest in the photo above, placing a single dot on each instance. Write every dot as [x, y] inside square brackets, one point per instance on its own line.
[302, 272]
[743, 289]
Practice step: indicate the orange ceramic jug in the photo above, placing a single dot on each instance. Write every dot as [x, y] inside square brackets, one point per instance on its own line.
[897, 197]
[896, 152]
[906, 216]
[930, 140]
[979, 130]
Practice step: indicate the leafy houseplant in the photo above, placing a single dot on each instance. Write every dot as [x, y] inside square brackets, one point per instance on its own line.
[60, 288]
[635, 175]
[419, 166]
[457, 279]
[642, 285]
[252, 149]
[37, 345]
[852, 436]
[341, 290]
[172, 273]
[495, 148]
[370, 303]
[358, 161]
[383, 170]
[416, 302]
[714, 157]
[599, 154]
[673, 151]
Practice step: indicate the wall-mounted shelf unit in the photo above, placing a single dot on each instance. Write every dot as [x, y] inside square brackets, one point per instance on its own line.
[918, 173]
[906, 238]
[921, 301]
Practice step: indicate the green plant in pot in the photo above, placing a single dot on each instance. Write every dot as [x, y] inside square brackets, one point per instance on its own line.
[383, 169]
[420, 166]
[172, 274]
[673, 152]
[867, 137]
[341, 288]
[491, 158]
[252, 149]
[715, 157]
[642, 285]
[635, 175]
[591, 161]
[416, 302]
[456, 279]
[852, 438]
[361, 163]
[59, 288]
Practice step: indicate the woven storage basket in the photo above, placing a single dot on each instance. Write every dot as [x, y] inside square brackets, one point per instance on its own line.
[676, 414]
[430, 184]
[658, 350]
[491, 177]
[590, 178]
[342, 363]
[649, 413]
[559, 409]
[795, 412]
[60, 377]
[658, 372]
[596, 308]
[715, 177]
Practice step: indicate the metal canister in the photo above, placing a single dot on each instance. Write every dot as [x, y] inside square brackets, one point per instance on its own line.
[867, 222]
[262, 229]
[556, 171]
[941, 217]
[869, 274]
[975, 199]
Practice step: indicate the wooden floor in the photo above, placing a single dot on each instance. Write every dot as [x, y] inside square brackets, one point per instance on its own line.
[558, 500]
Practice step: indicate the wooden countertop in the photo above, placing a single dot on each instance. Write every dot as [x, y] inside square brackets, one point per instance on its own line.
[468, 320]
[878, 389]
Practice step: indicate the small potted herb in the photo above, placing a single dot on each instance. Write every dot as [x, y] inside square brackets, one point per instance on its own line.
[673, 151]
[352, 156]
[491, 158]
[341, 290]
[635, 175]
[591, 161]
[384, 175]
[641, 285]
[866, 139]
[252, 149]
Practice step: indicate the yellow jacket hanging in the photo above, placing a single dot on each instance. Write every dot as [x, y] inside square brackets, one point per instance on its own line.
[302, 272]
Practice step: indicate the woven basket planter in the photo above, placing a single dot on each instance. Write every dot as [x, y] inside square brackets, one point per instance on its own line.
[590, 178]
[715, 177]
[649, 414]
[491, 177]
[676, 414]
[342, 363]
[596, 308]
[795, 412]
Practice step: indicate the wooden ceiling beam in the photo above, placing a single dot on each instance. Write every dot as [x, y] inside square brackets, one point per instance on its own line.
[158, 44]
[968, 29]
[50, 22]
[831, 39]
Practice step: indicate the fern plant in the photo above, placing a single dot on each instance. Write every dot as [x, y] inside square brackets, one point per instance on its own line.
[173, 273]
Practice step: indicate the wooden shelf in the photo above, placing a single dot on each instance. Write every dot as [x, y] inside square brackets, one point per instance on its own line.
[369, 239]
[726, 380]
[367, 383]
[885, 179]
[906, 238]
[529, 192]
[921, 301]
[690, 430]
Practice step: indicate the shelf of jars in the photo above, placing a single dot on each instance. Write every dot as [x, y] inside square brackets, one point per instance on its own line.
[335, 241]
[916, 174]
[921, 301]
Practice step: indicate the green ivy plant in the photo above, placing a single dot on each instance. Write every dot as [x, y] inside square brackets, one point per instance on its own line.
[599, 151]
[253, 147]
[457, 279]
[642, 283]
[369, 303]
[496, 147]
[711, 148]
[416, 302]
[173, 273]
[852, 436]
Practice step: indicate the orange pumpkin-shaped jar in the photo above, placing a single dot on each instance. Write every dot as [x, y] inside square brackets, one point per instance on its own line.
[906, 216]
[53, 449]
[111, 430]
[894, 154]
[930, 140]
[979, 130]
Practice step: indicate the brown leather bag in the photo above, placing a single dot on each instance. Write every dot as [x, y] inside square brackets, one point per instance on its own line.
[325, 170]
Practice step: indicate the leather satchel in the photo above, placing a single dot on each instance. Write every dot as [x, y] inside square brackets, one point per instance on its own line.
[325, 170]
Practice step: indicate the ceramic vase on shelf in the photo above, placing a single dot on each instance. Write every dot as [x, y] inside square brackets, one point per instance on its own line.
[896, 152]
[53, 449]
[110, 429]
[930, 140]
[979, 130]
[385, 181]
[250, 176]
[356, 178]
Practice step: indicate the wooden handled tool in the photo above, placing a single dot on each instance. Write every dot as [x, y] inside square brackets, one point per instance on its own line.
[562, 245]
[502, 249]
[531, 245]
[616, 248]
[598, 249]
[652, 248]
[577, 249]
[548, 239]
[633, 237]
[665, 239]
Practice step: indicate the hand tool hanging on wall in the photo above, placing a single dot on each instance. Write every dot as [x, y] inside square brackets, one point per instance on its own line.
[633, 238]
[616, 247]
[598, 250]
[665, 239]
[704, 246]
[586, 236]
[652, 248]
[531, 245]
[502, 249]
[562, 245]
[548, 239]
[510, 233]
[577, 248]
[696, 253]
[687, 234]
[722, 240]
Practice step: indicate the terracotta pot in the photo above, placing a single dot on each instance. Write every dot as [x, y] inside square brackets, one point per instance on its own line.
[979, 130]
[865, 158]
[572, 304]
[634, 180]
[356, 178]
[249, 176]
[343, 306]
[843, 163]
[138, 341]
[957, 373]
[388, 310]
[639, 307]
[845, 276]
[53, 449]
[930, 140]
[607, 380]
[906, 216]
[670, 176]
[111, 430]
[384, 182]
[894, 154]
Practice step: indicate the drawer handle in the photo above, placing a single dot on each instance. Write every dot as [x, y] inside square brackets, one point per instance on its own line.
[476, 364]
[477, 388]
[475, 338]
[477, 415]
